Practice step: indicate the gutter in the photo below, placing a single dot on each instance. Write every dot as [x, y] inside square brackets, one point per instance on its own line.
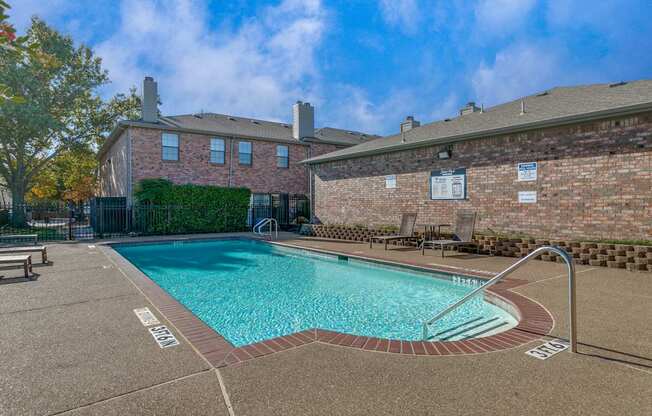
[122, 125]
[554, 122]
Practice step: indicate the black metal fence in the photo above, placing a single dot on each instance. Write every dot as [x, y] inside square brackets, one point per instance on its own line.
[112, 217]
[289, 210]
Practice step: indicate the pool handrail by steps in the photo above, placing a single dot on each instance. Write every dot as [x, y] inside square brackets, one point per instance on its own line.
[570, 265]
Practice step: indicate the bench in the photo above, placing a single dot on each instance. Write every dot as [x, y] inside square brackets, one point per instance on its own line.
[27, 249]
[19, 239]
[25, 260]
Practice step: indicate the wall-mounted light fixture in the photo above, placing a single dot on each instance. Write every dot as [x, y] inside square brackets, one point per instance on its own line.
[444, 154]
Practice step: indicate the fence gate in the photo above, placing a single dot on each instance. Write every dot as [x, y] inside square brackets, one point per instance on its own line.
[287, 209]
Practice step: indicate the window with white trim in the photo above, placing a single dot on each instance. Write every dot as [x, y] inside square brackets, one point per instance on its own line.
[390, 181]
[282, 156]
[244, 153]
[217, 150]
[170, 145]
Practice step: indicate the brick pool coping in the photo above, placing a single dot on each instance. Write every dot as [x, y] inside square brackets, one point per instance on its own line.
[535, 322]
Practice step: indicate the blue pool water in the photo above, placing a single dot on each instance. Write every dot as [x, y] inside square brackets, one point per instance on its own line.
[250, 291]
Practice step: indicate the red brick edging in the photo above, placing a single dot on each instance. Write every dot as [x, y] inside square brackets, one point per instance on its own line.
[534, 323]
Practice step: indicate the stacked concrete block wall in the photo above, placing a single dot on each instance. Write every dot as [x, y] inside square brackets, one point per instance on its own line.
[621, 256]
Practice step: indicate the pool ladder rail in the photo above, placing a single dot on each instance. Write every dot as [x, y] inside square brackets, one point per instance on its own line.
[570, 265]
[258, 228]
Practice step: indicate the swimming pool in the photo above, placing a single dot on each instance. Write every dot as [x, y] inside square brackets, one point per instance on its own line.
[249, 291]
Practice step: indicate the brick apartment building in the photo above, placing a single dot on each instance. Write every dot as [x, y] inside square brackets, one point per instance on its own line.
[568, 162]
[216, 149]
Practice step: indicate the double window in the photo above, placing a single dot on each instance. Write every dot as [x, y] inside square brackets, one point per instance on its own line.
[282, 156]
[170, 144]
[244, 153]
[217, 150]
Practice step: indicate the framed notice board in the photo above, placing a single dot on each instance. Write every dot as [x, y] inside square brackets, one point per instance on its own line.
[447, 184]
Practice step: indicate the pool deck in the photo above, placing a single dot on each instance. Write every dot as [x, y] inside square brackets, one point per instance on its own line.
[71, 344]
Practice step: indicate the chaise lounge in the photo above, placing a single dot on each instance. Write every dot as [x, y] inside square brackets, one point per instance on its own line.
[406, 232]
[463, 236]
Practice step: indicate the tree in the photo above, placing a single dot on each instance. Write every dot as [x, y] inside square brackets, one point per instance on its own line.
[15, 45]
[71, 176]
[61, 112]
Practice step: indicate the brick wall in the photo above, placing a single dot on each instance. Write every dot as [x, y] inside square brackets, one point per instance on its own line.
[194, 164]
[594, 180]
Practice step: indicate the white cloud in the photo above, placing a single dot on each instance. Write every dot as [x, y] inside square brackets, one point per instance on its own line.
[517, 71]
[404, 14]
[497, 17]
[22, 11]
[257, 70]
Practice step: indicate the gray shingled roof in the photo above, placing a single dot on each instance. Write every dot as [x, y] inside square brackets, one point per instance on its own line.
[249, 127]
[225, 125]
[556, 106]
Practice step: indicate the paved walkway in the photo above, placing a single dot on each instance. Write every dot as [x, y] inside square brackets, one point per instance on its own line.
[71, 344]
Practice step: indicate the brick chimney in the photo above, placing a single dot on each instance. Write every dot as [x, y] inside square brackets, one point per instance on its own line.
[469, 108]
[303, 123]
[409, 124]
[150, 101]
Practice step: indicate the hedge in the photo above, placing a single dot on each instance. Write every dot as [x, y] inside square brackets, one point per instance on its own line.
[165, 208]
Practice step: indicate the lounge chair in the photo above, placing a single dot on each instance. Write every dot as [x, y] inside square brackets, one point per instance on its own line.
[25, 260]
[463, 236]
[406, 232]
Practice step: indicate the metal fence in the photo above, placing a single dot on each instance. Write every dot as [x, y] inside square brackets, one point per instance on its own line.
[112, 217]
[289, 210]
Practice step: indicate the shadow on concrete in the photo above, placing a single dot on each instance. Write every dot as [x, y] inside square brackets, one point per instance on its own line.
[7, 281]
[627, 357]
[330, 240]
[603, 352]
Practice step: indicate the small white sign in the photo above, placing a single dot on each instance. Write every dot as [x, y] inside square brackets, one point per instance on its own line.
[527, 197]
[146, 317]
[527, 171]
[547, 350]
[163, 336]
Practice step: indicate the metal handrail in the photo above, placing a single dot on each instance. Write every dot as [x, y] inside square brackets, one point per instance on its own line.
[264, 222]
[571, 291]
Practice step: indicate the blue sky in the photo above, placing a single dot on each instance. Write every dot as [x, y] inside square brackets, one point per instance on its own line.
[365, 65]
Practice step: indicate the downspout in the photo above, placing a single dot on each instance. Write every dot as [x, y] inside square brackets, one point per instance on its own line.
[229, 182]
[310, 177]
[130, 176]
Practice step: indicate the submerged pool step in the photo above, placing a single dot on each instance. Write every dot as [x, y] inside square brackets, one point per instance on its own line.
[472, 328]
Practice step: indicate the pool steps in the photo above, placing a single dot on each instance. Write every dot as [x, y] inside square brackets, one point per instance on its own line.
[473, 328]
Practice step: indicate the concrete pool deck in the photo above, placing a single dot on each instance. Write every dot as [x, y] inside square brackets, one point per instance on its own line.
[71, 344]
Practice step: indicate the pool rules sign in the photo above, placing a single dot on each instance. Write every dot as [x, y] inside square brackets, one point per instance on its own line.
[448, 184]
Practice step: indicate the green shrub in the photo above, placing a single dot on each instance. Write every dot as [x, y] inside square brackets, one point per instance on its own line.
[165, 208]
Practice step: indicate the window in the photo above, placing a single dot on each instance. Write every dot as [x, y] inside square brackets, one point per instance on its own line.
[244, 153]
[282, 158]
[390, 181]
[170, 144]
[217, 151]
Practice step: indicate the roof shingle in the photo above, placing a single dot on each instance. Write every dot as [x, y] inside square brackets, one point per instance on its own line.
[557, 105]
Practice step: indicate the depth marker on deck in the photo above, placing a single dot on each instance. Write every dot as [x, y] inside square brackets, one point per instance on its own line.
[147, 318]
[547, 350]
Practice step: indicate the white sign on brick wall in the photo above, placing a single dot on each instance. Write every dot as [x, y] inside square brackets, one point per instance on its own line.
[527, 171]
[527, 197]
